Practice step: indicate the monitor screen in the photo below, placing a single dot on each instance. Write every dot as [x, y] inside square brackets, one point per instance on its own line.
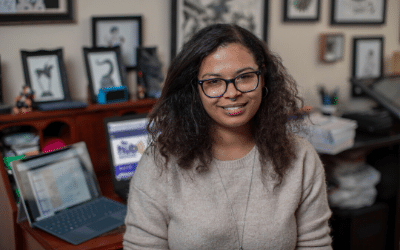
[127, 140]
[385, 91]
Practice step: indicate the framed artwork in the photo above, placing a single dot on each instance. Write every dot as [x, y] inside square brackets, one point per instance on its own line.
[331, 47]
[189, 16]
[301, 10]
[367, 59]
[104, 69]
[35, 12]
[123, 31]
[358, 12]
[45, 74]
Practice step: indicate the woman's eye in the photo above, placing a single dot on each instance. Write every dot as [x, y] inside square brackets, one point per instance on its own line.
[213, 81]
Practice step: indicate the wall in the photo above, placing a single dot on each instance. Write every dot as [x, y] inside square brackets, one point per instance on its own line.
[296, 43]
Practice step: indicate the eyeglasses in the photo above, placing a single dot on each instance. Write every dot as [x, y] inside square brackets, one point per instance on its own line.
[216, 87]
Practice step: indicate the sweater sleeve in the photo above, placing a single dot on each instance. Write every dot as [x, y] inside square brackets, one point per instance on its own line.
[147, 216]
[313, 212]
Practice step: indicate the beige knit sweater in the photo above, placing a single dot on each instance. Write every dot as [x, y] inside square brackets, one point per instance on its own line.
[178, 209]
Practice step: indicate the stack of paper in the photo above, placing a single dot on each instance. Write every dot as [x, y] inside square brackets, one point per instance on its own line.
[330, 134]
[21, 143]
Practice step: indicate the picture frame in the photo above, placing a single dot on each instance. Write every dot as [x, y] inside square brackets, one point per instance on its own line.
[188, 18]
[301, 11]
[331, 47]
[348, 12]
[367, 59]
[123, 31]
[45, 74]
[104, 68]
[14, 12]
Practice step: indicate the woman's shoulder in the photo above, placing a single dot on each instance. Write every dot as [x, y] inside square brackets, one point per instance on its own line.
[306, 156]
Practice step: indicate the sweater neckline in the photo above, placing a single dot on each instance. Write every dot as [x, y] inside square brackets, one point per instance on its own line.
[238, 162]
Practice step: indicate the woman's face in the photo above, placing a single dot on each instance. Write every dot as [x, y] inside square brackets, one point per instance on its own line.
[227, 62]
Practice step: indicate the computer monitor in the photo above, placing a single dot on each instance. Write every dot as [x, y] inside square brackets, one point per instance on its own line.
[385, 91]
[127, 139]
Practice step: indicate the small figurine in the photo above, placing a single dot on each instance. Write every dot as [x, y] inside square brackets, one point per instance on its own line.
[23, 102]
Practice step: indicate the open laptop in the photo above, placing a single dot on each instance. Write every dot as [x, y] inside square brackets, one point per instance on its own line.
[127, 139]
[61, 196]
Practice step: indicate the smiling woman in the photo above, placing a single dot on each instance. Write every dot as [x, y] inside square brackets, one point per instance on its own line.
[223, 170]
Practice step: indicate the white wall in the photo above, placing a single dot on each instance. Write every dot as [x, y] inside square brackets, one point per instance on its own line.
[296, 43]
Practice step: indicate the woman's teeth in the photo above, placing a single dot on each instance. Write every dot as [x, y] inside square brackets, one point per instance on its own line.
[233, 108]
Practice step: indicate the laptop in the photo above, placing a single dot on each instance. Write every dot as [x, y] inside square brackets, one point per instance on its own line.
[60, 195]
[127, 139]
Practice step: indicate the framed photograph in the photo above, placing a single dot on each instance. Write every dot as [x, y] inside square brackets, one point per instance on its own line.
[123, 31]
[104, 69]
[190, 16]
[36, 12]
[358, 12]
[367, 59]
[301, 10]
[45, 74]
[331, 47]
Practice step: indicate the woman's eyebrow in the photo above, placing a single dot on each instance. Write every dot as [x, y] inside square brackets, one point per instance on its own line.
[219, 75]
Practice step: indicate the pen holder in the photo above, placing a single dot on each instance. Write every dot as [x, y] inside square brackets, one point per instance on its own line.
[328, 109]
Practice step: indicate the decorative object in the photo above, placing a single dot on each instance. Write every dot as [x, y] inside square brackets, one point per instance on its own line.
[104, 69]
[358, 12]
[45, 74]
[367, 59]
[301, 10]
[36, 12]
[331, 47]
[189, 16]
[149, 74]
[125, 31]
[23, 102]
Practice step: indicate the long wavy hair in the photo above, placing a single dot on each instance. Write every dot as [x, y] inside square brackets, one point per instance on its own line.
[180, 127]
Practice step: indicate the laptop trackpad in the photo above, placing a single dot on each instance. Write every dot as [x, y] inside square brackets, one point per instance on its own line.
[104, 223]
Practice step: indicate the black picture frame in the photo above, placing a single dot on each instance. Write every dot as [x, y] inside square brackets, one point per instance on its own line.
[345, 12]
[253, 13]
[368, 54]
[125, 31]
[111, 63]
[45, 74]
[301, 11]
[39, 12]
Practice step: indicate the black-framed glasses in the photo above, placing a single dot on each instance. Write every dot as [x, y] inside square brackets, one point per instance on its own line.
[216, 87]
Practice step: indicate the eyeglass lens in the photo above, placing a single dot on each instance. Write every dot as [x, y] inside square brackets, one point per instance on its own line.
[244, 83]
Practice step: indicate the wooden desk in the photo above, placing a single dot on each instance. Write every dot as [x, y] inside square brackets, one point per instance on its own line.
[71, 126]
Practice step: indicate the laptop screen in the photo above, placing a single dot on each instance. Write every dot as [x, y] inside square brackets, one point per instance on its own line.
[127, 139]
[55, 181]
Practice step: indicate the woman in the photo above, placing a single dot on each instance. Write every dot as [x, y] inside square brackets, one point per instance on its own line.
[224, 170]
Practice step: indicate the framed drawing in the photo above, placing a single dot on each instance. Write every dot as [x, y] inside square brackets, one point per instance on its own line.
[123, 31]
[36, 12]
[301, 10]
[104, 69]
[331, 47]
[358, 12]
[190, 16]
[45, 74]
[367, 59]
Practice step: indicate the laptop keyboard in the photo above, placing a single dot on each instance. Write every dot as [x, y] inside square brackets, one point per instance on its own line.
[79, 216]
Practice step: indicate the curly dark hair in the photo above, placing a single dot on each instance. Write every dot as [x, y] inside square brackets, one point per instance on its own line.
[180, 127]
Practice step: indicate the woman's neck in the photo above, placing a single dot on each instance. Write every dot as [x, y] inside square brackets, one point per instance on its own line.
[232, 143]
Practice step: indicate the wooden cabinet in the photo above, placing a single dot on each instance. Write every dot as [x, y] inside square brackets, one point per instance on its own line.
[71, 126]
